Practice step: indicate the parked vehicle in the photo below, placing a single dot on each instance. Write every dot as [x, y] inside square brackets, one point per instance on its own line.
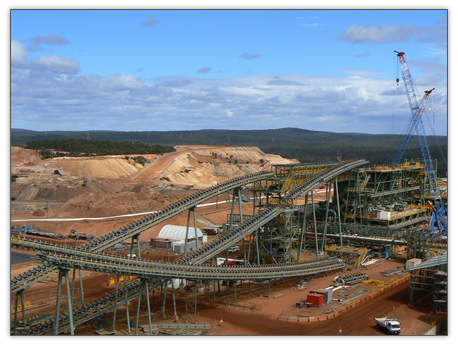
[390, 325]
[234, 249]
[302, 281]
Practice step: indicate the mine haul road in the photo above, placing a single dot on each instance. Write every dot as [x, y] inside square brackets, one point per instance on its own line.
[357, 321]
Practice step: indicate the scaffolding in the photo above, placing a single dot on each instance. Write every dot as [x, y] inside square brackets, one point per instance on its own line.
[430, 277]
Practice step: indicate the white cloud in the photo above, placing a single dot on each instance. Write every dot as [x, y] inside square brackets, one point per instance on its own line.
[97, 102]
[122, 83]
[57, 64]
[18, 54]
[384, 33]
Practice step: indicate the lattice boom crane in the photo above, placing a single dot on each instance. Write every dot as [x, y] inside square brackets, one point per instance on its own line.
[416, 124]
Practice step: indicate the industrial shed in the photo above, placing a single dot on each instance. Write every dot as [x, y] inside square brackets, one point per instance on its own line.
[177, 236]
[179, 232]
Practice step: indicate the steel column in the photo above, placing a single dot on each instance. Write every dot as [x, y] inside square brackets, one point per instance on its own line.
[314, 222]
[116, 303]
[164, 300]
[127, 304]
[328, 196]
[138, 307]
[175, 316]
[69, 303]
[58, 299]
[336, 192]
[149, 309]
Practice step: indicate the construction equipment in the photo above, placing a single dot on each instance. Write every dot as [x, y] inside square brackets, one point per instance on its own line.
[438, 217]
[80, 235]
[415, 124]
[352, 278]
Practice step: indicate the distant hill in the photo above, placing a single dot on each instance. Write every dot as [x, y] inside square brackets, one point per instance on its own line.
[305, 145]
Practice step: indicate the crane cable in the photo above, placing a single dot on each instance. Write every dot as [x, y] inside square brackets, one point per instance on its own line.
[433, 127]
[395, 78]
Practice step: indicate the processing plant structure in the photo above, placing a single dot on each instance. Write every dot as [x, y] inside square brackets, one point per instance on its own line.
[374, 208]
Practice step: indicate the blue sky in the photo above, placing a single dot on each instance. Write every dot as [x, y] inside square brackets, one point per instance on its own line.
[327, 70]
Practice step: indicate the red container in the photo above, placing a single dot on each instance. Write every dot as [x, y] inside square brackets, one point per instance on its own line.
[316, 300]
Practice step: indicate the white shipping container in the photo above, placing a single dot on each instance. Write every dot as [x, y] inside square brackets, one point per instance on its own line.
[412, 263]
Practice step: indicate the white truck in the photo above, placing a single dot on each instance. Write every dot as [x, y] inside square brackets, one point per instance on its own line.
[234, 249]
[390, 325]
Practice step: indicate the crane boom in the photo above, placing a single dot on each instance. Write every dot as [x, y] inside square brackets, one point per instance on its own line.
[416, 124]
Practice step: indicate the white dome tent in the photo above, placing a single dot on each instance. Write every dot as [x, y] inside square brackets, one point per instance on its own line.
[177, 236]
[179, 232]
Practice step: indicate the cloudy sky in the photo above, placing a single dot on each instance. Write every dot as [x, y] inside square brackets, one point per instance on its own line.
[136, 70]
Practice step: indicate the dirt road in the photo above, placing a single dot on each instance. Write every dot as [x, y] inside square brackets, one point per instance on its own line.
[357, 321]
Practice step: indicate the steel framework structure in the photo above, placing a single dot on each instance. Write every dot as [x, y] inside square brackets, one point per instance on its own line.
[416, 124]
[145, 283]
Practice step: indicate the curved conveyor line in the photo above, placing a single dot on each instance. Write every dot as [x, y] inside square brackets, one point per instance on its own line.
[146, 269]
[138, 226]
[95, 308]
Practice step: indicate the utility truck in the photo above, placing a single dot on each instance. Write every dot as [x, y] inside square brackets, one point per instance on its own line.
[392, 326]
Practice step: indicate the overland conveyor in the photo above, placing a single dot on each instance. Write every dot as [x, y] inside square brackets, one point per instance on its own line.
[106, 303]
[138, 226]
[146, 269]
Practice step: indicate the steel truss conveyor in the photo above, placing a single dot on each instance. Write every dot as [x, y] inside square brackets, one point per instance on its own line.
[104, 304]
[107, 263]
[138, 226]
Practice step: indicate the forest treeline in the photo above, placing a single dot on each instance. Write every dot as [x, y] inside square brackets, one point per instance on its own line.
[304, 145]
[80, 147]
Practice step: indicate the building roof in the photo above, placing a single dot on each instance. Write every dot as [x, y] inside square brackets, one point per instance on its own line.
[179, 232]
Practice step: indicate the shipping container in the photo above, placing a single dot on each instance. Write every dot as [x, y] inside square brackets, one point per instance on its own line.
[412, 263]
[315, 300]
